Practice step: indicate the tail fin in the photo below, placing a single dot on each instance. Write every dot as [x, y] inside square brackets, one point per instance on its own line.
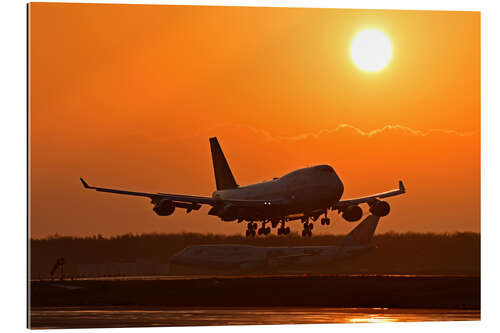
[363, 233]
[223, 175]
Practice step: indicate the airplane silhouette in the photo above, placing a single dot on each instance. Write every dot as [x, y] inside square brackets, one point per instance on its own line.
[247, 258]
[304, 194]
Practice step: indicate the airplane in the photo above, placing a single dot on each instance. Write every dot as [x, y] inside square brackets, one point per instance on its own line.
[237, 258]
[304, 194]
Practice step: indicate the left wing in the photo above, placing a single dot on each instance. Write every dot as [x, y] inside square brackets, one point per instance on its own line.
[190, 202]
[180, 200]
[369, 198]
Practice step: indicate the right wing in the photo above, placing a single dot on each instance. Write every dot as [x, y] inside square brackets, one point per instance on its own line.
[183, 201]
[372, 197]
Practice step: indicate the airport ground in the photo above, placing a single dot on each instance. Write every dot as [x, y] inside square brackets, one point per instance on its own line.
[391, 291]
[204, 300]
[408, 277]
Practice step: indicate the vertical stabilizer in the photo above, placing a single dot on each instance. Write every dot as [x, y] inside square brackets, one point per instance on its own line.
[223, 175]
[363, 233]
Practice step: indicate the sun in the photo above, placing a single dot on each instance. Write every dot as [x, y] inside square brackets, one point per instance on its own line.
[371, 50]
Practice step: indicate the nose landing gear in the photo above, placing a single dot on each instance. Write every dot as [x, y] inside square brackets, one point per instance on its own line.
[325, 220]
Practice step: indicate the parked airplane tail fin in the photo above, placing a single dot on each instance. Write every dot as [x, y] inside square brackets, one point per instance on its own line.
[363, 233]
[224, 178]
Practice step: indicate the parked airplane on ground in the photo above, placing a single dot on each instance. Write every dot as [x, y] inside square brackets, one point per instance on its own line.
[304, 194]
[236, 258]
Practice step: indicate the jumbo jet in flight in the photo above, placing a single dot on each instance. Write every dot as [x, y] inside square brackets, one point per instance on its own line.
[216, 258]
[304, 194]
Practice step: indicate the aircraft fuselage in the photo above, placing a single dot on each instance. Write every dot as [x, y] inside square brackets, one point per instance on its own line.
[304, 190]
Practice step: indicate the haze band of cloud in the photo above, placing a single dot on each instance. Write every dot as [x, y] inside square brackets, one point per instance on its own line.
[385, 129]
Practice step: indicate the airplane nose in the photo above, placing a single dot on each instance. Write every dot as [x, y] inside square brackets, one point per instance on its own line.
[338, 187]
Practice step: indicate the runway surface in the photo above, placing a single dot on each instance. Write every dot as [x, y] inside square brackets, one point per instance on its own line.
[251, 300]
[84, 317]
[341, 291]
[241, 276]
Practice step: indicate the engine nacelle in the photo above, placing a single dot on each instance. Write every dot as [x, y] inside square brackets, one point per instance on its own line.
[352, 213]
[380, 208]
[164, 208]
[228, 213]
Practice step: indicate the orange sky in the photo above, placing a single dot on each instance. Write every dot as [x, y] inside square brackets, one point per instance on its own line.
[127, 96]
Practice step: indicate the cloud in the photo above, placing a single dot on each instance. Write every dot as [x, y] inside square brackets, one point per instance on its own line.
[387, 129]
[406, 129]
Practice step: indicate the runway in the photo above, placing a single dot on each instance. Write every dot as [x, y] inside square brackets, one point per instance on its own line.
[248, 300]
[82, 317]
[391, 291]
[232, 276]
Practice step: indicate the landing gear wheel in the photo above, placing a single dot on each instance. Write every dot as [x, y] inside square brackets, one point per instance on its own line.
[283, 231]
[307, 229]
[247, 233]
[263, 230]
[251, 226]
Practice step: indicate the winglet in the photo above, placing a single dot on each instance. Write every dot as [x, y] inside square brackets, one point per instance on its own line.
[402, 187]
[84, 183]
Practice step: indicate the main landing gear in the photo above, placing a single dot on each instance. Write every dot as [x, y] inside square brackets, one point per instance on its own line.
[251, 227]
[282, 230]
[263, 230]
[308, 227]
[252, 230]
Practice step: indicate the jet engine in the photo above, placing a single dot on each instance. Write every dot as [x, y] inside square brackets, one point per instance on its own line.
[352, 213]
[228, 213]
[380, 208]
[164, 207]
